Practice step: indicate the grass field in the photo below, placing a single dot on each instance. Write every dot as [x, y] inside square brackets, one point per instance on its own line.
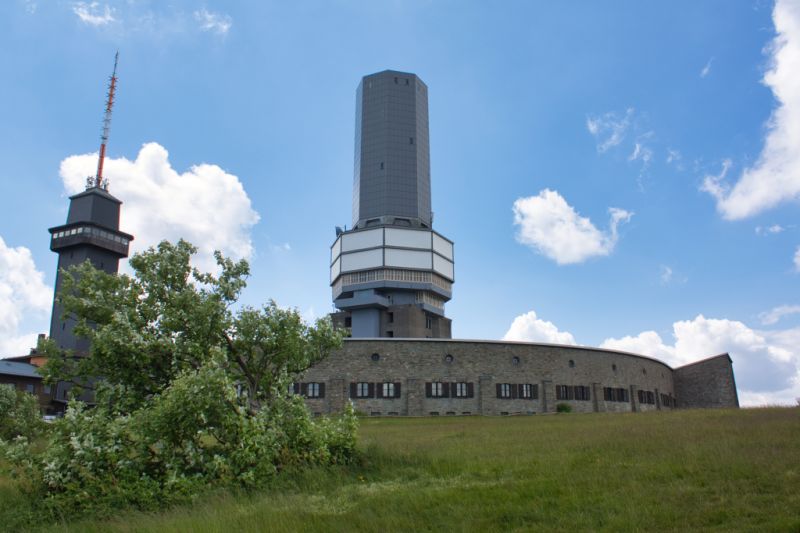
[724, 470]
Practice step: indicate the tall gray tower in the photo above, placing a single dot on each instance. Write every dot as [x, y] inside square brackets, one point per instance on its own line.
[392, 274]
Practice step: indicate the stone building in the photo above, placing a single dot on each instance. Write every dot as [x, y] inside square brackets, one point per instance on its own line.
[423, 377]
[391, 275]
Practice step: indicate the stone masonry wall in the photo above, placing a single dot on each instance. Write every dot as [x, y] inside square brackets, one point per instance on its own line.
[485, 364]
[706, 383]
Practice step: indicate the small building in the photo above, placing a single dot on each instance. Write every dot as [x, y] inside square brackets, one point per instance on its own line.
[24, 377]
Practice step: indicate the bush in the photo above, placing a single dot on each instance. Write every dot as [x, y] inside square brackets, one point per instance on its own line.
[192, 396]
[563, 408]
[19, 415]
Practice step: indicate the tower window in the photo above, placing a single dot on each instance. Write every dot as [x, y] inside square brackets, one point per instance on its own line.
[428, 322]
[411, 140]
[390, 318]
[395, 79]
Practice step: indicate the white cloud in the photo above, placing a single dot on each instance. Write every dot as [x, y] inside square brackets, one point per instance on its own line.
[775, 228]
[22, 292]
[715, 185]
[609, 129]
[766, 363]
[214, 22]
[549, 225]
[706, 68]
[90, 13]
[775, 176]
[529, 328]
[666, 274]
[641, 152]
[797, 259]
[204, 205]
[673, 156]
[776, 313]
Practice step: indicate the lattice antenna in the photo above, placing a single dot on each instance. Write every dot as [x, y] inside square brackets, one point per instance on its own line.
[112, 85]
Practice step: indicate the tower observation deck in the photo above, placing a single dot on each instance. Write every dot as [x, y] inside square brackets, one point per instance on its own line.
[392, 274]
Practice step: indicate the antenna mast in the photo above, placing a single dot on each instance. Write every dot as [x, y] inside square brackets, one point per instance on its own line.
[98, 180]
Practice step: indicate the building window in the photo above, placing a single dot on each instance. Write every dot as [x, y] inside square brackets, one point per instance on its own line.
[647, 397]
[515, 360]
[461, 390]
[390, 333]
[390, 317]
[448, 358]
[582, 393]
[381, 165]
[388, 390]
[30, 388]
[411, 140]
[528, 391]
[348, 322]
[437, 389]
[614, 368]
[313, 390]
[375, 357]
[571, 363]
[564, 392]
[504, 390]
[428, 322]
[47, 389]
[362, 390]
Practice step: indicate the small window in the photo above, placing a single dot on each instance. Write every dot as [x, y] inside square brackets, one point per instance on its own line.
[515, 360]
[30, 388]
[362, 390]
[525, 391]
[406, 81]
[428, 322]
[571, 363]
[461, 390]
[614, 368]
[388, 390]
[644, 371]
[47, 389]
[348, 322]
[375, 357]
[504, 390]
[313, 390]
[437, 389]
[390, 333]
[395, 80]
[390, 317]
[381, 165]
[411, 140]
[448, 358]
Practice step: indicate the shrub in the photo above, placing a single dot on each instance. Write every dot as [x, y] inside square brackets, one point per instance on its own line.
[192, 394]
[19, 414]
[563, 408]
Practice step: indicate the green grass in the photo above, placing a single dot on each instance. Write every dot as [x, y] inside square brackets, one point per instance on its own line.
[717, 470]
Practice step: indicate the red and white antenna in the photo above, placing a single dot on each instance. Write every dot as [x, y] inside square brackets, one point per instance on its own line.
[98, 180]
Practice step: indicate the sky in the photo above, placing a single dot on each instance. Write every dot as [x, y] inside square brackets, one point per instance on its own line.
[619, 174]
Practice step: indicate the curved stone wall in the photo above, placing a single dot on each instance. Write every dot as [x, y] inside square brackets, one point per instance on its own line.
[455, 377]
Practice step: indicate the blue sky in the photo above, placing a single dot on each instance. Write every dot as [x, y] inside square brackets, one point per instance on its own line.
[623, 174]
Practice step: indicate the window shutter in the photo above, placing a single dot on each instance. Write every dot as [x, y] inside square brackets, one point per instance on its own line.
[535, 392]
[470, 390]
[296, 388]
[514, 388]
[445, 390]
[427, 390]
[499, 392]
[370, 390]
[321, 390]
[396, 390]
[304, 389]
[379, 390]
[352, 390]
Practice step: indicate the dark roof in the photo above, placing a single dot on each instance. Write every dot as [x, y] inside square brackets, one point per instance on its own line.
[11, 368]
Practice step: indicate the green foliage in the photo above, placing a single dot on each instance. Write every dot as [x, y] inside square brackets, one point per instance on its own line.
[19, 414]
[192, 395]
[563, 408]
[698, 470]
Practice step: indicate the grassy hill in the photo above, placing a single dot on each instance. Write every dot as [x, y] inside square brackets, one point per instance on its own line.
[718, 470]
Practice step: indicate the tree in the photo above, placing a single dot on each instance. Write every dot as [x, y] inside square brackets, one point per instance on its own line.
[189, 392]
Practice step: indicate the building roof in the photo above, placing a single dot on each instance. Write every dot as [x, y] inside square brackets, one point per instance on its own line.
[11, 368]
